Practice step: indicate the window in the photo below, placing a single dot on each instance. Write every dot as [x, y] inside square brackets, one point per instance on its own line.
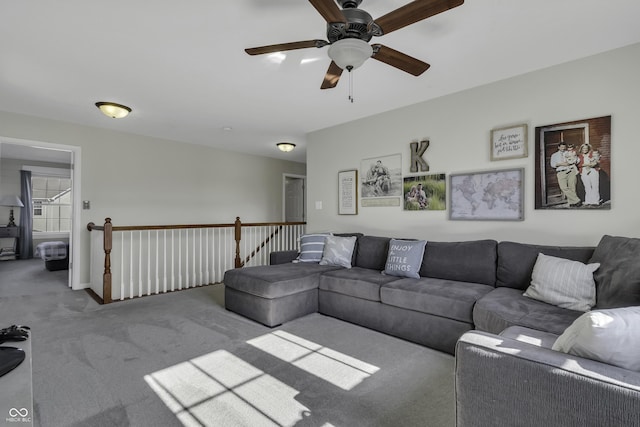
[51, 197]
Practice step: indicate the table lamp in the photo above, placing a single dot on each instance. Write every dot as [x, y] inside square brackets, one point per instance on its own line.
[12, 202]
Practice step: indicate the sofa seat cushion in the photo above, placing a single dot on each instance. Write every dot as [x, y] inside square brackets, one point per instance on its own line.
[530, 336]
[504, 307]
[276, 281]
[356, 282]
[439, 297]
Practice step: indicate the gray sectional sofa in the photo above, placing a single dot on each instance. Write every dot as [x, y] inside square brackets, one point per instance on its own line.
[468, 300]
[462, 286]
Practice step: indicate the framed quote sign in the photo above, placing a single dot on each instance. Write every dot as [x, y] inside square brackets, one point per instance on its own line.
[509, 142]
[348, 192]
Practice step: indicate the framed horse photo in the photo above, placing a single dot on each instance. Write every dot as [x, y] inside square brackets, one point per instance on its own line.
[381, 181]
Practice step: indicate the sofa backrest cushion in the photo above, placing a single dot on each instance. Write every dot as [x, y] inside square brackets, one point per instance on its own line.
[371, 252]
[516, 261]
[618, 278]
[471, 261]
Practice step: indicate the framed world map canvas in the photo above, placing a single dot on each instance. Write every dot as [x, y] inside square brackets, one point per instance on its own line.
[494, 195]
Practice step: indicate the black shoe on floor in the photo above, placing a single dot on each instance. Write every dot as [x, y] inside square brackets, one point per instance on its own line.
[14, 333]
[10, 358]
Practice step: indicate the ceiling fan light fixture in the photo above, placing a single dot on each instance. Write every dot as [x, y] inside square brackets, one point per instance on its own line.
[113, 110]
[286, 146]
[350, 53]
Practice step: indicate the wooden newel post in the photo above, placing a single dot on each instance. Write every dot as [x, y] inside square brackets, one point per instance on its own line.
[106, 277]
[238, 237]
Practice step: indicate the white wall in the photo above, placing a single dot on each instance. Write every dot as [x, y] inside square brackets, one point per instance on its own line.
[458, 127]
[137, 180]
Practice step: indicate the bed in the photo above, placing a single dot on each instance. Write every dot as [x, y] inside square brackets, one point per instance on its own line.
[54, 254]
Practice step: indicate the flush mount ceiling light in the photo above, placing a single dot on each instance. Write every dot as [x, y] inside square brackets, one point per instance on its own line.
[286, 146]
[113, 110]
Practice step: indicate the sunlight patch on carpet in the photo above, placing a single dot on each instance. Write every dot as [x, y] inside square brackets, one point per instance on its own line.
[222, 389]
[332, 366]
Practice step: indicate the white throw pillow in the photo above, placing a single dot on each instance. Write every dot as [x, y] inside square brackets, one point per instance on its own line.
[610, 336]
[563, 282]
[338, 251]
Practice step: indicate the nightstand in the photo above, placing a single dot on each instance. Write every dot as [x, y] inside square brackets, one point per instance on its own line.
[8, 242]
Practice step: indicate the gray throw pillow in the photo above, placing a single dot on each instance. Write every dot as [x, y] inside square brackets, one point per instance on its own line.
[311, 247]
[563, 283]
[338, 251]
[404, 258]
[618, 278]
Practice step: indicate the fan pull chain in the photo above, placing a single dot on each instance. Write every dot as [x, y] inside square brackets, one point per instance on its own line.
[349, 69]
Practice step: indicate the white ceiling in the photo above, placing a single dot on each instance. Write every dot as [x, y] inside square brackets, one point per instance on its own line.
[181, 65]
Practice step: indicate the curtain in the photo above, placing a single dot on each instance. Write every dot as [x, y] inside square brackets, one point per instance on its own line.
[25, 249]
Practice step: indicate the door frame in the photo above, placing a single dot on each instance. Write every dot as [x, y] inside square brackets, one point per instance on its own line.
[74, 238]
[284, 193]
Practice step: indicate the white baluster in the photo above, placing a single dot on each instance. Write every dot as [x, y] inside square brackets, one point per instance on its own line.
[173, 260]
[122, 264]
[164, 262]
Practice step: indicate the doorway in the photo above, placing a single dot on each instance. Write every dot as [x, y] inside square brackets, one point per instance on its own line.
[22, 154]
[294, 198]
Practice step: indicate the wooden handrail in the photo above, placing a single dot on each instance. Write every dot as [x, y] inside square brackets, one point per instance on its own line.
[108, 228]
[91, 226]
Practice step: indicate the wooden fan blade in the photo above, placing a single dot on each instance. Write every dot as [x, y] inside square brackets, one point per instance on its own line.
[413, 12]
[399, 60]
[329, 10]
[331, 78]
[285, 46]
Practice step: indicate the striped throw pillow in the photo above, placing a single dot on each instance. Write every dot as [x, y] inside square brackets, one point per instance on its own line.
[564, 283]
[311, 247]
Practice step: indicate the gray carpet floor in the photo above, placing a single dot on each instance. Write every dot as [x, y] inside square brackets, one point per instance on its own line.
[182, 359]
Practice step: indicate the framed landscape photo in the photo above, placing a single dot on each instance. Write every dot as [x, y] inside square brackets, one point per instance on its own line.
[425, 192]
[493, 195]
[509, 142]
[348, 192]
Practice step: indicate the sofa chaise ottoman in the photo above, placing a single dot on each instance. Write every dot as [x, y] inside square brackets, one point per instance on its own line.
[273, 296]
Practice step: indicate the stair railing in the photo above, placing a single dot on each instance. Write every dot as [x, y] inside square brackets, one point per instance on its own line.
[135, 261]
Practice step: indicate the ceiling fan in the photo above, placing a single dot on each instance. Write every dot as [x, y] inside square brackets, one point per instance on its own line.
[349, 31]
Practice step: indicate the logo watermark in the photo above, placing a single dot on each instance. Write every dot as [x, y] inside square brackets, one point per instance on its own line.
[18, 415]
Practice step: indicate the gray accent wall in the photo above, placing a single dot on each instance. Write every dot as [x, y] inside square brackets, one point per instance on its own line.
[458, 127]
